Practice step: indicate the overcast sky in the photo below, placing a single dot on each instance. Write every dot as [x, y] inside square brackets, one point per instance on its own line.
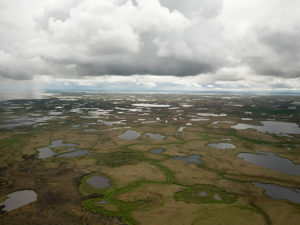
[150, 44]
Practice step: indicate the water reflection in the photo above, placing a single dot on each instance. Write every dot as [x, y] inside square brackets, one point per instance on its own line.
[221, 145]
[157, 137]
[280, 193]
[157, 150]
[196, 159]
[271, 127]
[129, 135]
[98, 181]
[17, 199]
[271, 161]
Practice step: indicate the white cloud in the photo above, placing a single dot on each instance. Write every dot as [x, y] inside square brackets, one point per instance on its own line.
[238, 44]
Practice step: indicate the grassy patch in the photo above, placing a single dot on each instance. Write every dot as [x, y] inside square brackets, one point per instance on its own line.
[124, 213]
[204, 194]
[116, 159]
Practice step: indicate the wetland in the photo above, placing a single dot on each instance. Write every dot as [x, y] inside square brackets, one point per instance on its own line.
[141, 159]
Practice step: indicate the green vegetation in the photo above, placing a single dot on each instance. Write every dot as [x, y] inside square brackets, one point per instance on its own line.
[146, 188]
[204, 194]
[116, 159]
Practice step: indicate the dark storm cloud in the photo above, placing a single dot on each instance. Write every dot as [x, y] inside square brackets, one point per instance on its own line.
[120, 38]
[166, 66]
[282, 55]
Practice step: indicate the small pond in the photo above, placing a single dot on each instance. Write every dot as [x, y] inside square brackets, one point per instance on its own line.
[203, 194]
[17, 199]
[211, 114]
[129, 135]
[271, 161]
[71, 149]
[45, 152]
[76, 153]
[221, 145]
[192, 159]
[271, 127]
[157, 137]
[98, 181]
[60, 143]
[157, 150]
[217, 197]
[280, 193]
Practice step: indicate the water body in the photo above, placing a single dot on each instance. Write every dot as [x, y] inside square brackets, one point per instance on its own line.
[111, 123]
[17, 199]
[226, 139]
[76, 126]
[271, 161]
[60, 143]
[221, 146]
[98, 181]
[149, 105]
[217, 197]
[217, 122]
[271, 127]
[191, 159]
[72, 151]
[45, 152]
[180, 129]
[129, 135]
[211, 114]
[25, 121]
[157, 137]
[202, 194]
[90, 130]
[280, 193]
[102, 202]
[199, 119]
[157, 150]
[76, 153]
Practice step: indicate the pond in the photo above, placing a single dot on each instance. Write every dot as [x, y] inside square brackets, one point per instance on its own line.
[45, 152]
[90, 130]
[60, 143]
[76, 153]
[270, 160]
[102, 202]
[129, 135]
[203, 194]
[271, 127]
[71, 149]
[157, 137]
[199, 119]
[280, 193]
[150, 105]
[98, 181]
[196, 159]
[221, 145]
[180, 129]
[157, 150]
[217, 197]
[17, 199]
[211, 114]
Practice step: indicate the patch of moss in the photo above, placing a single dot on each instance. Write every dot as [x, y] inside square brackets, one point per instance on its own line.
[116, 159]
[204, 194]
[124, 213]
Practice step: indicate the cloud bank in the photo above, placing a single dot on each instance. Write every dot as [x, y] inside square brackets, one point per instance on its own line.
[216, 42]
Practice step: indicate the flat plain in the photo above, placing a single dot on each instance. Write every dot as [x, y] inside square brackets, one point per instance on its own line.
[150, 159]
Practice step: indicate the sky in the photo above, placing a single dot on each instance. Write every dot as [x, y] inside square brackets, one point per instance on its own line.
[149, 45]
